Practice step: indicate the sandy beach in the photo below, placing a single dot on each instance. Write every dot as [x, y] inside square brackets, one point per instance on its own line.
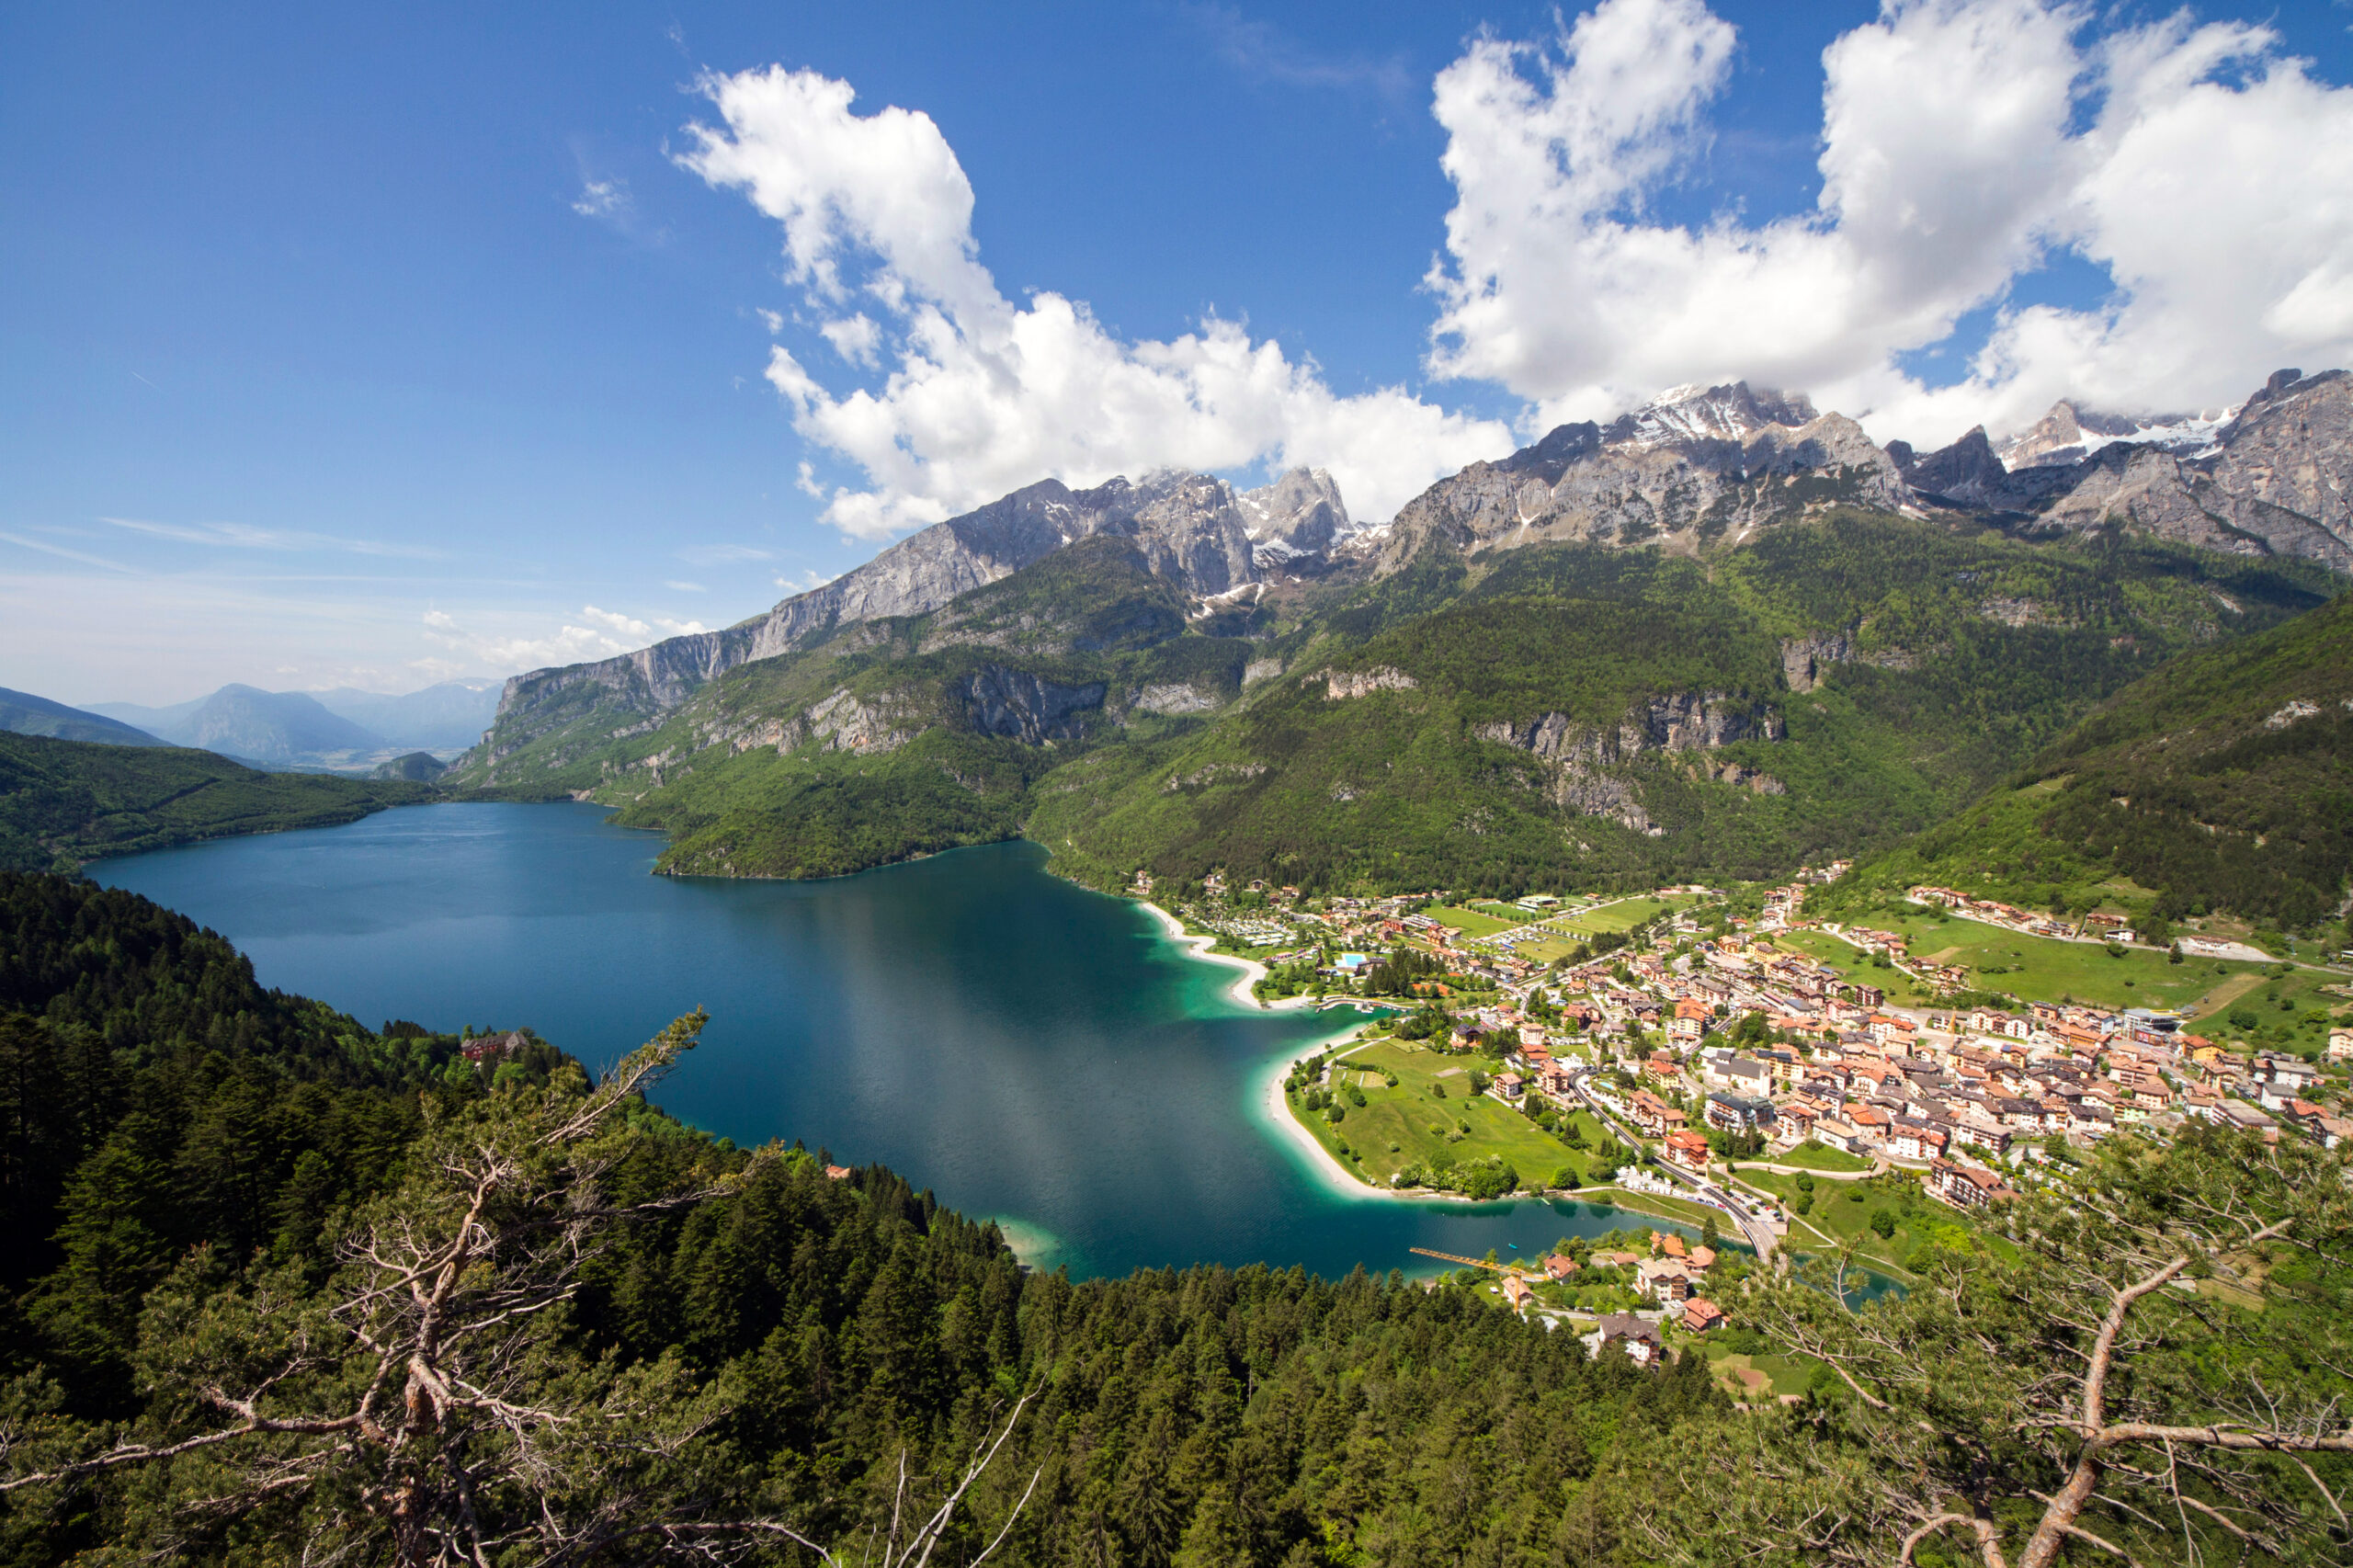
[1244, 990]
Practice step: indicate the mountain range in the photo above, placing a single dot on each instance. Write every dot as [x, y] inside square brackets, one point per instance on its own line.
[1720, 635]
[22, 713]
[345, 727]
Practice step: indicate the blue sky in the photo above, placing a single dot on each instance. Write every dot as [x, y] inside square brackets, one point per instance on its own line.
[381, 347]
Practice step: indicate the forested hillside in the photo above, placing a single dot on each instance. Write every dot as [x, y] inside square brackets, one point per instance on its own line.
[285, 1288]
[1576, 716]
[63, 802]
[2221, 784]
[1570, 715]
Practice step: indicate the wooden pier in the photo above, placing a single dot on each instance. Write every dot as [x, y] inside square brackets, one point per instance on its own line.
[1465, 1262]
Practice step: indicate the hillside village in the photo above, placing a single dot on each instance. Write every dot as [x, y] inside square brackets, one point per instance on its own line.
[1746, 1074]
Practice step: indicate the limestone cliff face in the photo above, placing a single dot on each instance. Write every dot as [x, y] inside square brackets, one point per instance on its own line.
[1339, 686]
[1695, 465]
[1001, 701]
[1577, 752]
[2274, 476]
[1192, 530]
[1802, 658]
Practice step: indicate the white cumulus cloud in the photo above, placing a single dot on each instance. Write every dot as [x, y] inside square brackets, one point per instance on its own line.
[1964, 142]
[609, 634]
[979, 395]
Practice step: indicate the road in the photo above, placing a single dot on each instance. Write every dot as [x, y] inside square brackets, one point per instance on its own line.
[1760, 1234]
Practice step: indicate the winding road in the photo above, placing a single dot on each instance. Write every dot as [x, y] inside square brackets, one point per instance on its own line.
[1759, 1233]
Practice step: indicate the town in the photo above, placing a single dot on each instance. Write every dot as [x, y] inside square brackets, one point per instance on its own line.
[1719, 1057]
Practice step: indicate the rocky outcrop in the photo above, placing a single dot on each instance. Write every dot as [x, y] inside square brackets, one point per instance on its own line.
[1695, 466]
[1203, 776]
[2068, 435]
[2274, 476]
[1027, 707]
[1577, 754]
[846, 723]
[2291, 451]
[1968, 475]
[1681, 721]
[1172, 697]
[1803, 658]
[1339, 686]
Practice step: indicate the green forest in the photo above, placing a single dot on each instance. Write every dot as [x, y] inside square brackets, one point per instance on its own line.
[286, 1288]
[64, 802]
[1951, 653]
[2222, 783]
[1935, 700]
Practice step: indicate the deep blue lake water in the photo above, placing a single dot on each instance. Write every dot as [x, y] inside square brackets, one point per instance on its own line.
[1029, 1051]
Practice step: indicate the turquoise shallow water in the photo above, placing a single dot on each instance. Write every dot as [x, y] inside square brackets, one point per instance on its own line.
[1029, 1049]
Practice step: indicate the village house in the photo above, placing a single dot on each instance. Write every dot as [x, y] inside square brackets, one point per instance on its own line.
[1699, 1315]
[1792, 1125]
[1687, 1149]
[1739, 1075]
[1835, 1134]
[1910, 1139]
[1653, 1116]
[1639, 1338]
[1516, 1292]
[1688, 1025]
[1663, 1279]
[1559, 1266]
[1963, 1187]
[1737, 1113]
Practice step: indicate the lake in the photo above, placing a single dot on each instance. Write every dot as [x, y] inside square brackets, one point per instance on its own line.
[1029, 1051]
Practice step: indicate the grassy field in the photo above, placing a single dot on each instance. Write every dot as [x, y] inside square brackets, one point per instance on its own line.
[1843, 1209]
[1821, 1157]
[1425, 1116]
[2039, 969]
[1623, 916]
[1470, 922]
[1758, 1377]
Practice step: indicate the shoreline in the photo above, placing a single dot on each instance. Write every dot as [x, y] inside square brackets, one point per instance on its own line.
[1339, 1179]
[1244, 990]
[1274, 1110]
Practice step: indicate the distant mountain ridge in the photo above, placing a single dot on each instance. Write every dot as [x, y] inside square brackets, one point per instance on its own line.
[301, 728]
[1697, 468]
[1708, 477]
[22, 713]
[250, 724]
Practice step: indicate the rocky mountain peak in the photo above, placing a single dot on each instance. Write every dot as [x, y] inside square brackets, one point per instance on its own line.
[2069, 433]
[1968, 471]
[1299, 514]
[1685, 415]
